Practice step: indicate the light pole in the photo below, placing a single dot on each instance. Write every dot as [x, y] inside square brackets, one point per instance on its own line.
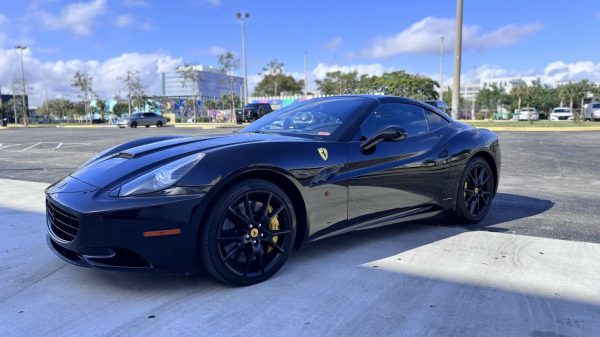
[442, 68]
[25, 109]
[242, 18]
[457, 59]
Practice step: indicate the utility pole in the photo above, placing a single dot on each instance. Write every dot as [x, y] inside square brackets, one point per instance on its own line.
[457, 60]
[442, 68]
[14, 99]
[242, 18]
[305, 74]
[25, 108]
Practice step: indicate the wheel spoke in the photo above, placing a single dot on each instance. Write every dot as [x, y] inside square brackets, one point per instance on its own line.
[232, 251]
[278, 233]
[472, 208]
[261, 263]
[276, 247]
[265, 209]
[240, 220]
[230, 238]
[481, 175]
[486, 180]
[274, 214]
[247, 207]
[247, 266]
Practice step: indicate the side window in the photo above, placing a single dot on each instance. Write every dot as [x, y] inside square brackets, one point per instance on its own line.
[434, 120]
[410, 117]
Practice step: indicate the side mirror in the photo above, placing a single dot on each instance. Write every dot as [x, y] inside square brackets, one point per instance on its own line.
[388, 133]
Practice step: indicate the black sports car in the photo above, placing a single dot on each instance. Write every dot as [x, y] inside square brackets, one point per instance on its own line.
[236, 205]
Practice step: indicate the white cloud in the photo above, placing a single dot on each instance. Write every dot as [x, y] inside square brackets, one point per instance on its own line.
[135, 3]
[57, 75]
[333, 44]
[216, 50]
[77, 18]
[562, 71]
[124, 20]
[362, 69]
[423, 37]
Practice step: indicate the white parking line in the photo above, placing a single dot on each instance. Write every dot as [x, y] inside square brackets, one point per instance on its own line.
[59, 145]
[30, 147]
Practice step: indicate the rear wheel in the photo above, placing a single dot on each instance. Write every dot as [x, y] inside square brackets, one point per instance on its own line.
[159, 124]
[147, 126]
[475, 192]
[134, 125]
[248, 233]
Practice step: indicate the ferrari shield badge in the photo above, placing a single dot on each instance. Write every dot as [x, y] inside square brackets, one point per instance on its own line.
[323, 153]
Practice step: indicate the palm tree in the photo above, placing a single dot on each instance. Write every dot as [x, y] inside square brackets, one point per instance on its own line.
[83, 81]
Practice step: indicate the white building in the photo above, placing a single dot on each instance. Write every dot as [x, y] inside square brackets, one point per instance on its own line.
[507, 83]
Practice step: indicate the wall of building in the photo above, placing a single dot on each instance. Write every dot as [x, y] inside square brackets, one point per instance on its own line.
[211, 85]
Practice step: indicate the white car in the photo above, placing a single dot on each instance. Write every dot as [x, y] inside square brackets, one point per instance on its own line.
[526, 114]
[561, 114]
[592, 112]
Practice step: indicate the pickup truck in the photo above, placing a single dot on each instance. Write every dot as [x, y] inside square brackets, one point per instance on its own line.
[252, 112]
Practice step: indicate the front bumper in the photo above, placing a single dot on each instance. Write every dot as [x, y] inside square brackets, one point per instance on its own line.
[110, 233]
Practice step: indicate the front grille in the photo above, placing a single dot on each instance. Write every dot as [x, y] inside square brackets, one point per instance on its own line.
[62, 223]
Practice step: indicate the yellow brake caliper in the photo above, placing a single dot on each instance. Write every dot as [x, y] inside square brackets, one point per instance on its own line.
[274, 226]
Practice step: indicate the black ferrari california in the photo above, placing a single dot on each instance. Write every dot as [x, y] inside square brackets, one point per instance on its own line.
[236, 205]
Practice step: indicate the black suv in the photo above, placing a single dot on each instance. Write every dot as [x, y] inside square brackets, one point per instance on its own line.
[252, 112]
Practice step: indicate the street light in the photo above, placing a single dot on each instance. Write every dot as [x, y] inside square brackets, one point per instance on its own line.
[242, 18]
[457, 57]
[25, 109]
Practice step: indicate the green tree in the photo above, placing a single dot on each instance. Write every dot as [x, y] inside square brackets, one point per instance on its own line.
[339, 83]
[190, 77]
[275, 82]
[83, 81]
[121, 109]
[490, 98]
[229, 63]
[101, 105]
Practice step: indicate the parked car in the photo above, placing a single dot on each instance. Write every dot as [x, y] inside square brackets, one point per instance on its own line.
[440, 105]
[561, 114]
[252, 112]
[235, 205]
[142, 119]
[592, 112]
[528, 114]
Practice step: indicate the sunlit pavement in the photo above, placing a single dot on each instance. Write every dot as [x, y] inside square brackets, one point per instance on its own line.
[411, 280]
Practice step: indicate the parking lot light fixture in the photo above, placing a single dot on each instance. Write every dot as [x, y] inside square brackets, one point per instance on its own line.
[242, 18]
[25, 110]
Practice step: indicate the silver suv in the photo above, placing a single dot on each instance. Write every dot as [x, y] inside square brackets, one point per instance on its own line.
[592, 112]
[142, 119]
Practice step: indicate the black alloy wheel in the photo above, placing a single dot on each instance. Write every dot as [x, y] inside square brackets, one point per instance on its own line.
[475, 192]
[134, 125]
[159, 124]
[248, 233]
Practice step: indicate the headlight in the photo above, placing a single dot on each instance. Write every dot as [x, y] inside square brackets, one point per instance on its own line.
[162, 177]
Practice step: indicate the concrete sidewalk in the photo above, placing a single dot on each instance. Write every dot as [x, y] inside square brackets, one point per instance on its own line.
[411, 280]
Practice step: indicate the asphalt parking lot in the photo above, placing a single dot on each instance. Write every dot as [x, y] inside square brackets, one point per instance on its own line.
[531, 268]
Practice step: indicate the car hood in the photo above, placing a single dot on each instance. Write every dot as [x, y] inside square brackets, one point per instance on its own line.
[108, 172]
[561, 114]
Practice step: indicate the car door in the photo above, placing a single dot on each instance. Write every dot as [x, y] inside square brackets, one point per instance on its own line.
[395, 176]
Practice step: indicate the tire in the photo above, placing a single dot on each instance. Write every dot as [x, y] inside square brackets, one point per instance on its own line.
[159, 124]
[475, 192]
[134, 125]
[147, 126]
[238, 249]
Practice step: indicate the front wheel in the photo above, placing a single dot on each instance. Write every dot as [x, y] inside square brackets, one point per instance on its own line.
[134, 125]
[159, 124]
[475, 191]
[248, 233]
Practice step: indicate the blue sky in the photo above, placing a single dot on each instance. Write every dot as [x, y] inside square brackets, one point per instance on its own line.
[106, 37]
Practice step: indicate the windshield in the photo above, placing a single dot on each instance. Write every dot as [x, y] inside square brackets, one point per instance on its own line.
[561, 110]
[526, 110]
[317, 118]
[252, 105]
[136, 115]
[596, 106]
